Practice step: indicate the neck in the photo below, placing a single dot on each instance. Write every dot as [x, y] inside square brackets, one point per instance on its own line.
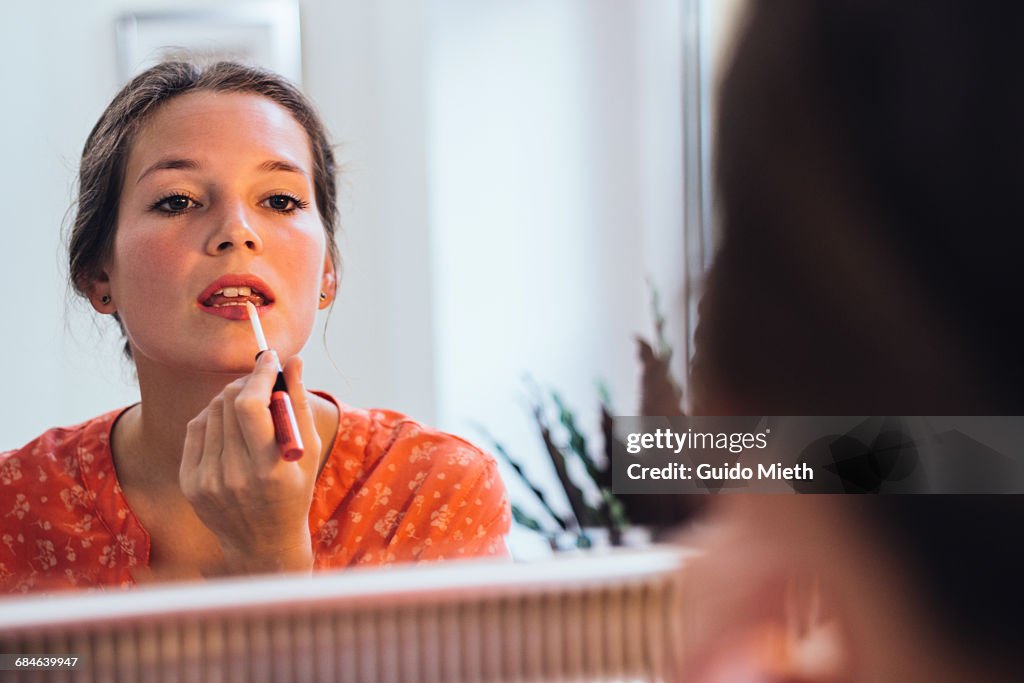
[148, 440]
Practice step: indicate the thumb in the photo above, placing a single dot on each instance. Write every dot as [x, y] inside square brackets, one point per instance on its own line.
[300, 398]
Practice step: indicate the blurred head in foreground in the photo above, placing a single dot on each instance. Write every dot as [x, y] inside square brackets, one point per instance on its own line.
[869, 175]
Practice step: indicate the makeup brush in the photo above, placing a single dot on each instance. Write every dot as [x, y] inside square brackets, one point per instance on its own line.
[286, 429]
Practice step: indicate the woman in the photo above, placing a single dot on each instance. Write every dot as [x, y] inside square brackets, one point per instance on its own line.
[201, 189]
[868, 168]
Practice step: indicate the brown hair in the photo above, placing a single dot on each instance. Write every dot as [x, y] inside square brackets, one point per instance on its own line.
[868, 176]
[868, 171]
[105, 154]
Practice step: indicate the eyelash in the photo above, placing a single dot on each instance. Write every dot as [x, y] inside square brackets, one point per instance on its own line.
[156, 206]
[297, 203]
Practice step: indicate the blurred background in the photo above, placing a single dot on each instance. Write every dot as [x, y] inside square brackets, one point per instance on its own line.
[514, 175]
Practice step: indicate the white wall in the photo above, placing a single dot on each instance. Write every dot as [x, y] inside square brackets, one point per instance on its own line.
[57, 81]
[555, 176]
[363, 67]
[512, 178]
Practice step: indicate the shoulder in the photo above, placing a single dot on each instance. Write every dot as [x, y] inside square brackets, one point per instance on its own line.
[388, 438]
[417, 493]
[58, 450]
[402, 442]
[48, 505]
[453, 501]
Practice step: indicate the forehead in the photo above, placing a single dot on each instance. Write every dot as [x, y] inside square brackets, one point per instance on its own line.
[221, 128]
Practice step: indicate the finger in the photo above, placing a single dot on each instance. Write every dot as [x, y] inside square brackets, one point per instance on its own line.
[213, 441]
[235, 457]
[298, 395]
[251, 412]
[303, 409]
[195, 436]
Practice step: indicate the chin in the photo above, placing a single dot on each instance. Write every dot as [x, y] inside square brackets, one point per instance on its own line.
[232, 365]
[205, 361]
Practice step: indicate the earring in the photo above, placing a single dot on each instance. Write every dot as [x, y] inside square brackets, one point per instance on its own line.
[105, 299]
[323, 297]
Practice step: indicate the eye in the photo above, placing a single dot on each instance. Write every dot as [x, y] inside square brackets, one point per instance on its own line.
[284, 203]
[175, 204]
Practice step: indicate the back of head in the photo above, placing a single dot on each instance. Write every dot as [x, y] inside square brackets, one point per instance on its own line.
[868, 177]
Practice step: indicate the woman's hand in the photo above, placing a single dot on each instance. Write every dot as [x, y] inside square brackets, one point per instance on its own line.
[256, 503]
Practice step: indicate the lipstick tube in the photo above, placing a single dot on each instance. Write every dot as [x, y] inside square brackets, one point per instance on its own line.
[286, 428]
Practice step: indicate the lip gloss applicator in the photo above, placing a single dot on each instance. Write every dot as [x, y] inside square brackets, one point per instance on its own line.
[286, 429]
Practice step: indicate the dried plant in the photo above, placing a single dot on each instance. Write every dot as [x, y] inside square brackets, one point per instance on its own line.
[660, 394]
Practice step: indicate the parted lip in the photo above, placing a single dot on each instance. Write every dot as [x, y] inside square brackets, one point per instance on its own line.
[239, 280]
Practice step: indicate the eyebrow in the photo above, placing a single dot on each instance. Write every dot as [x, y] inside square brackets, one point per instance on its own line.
[280, 165]
[192, 165]
[165, 164]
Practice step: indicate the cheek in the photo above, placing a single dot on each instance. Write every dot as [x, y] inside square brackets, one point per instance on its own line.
[146, 268]
[305, 256]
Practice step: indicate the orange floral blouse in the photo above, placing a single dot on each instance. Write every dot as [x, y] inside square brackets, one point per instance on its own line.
[391, 490]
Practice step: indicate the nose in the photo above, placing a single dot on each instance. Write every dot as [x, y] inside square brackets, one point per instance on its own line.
[233, 229]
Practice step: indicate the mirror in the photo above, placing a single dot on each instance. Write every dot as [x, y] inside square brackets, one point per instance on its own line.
[515, 181]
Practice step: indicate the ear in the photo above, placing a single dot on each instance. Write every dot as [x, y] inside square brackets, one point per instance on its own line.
[98, 291]
[328, 284]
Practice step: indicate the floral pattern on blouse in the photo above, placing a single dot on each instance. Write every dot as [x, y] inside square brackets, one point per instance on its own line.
[390, 491]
